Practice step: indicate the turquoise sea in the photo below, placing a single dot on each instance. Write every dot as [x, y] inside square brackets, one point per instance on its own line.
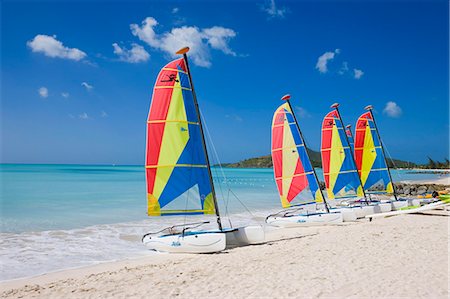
[62, 216]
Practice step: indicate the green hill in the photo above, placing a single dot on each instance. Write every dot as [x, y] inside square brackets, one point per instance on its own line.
[266, 162]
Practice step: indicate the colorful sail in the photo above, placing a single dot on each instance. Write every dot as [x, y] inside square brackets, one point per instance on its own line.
[369, 157]
[341, 176]
[292, 168]
[176, 168]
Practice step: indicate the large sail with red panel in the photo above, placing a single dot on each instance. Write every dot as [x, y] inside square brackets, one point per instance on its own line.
[341, 176]
[369, 156]
[292, 167]
[177, 176]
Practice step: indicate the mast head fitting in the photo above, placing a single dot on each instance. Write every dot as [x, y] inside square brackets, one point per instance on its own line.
[335, 105]
[368, 107]
[286, 97]
[182, 51]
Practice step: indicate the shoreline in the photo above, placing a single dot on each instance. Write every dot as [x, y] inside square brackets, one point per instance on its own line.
[317, 261]
[445, 181]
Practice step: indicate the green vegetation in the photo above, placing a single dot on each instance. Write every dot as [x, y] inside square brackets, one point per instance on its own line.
[436, 164]
[266, 162]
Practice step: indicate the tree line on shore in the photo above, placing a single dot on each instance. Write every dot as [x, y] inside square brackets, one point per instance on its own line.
[266, 162]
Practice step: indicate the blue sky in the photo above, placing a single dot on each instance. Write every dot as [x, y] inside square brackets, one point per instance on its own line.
[77, 77]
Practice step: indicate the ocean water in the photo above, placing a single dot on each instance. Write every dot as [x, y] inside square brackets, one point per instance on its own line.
[55, 217]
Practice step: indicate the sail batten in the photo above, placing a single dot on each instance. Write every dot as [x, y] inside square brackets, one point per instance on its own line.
[176, 166]
[340, 174]
[292, 169]
[369, 156]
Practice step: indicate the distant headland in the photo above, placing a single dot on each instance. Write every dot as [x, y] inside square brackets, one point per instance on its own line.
[266, 162]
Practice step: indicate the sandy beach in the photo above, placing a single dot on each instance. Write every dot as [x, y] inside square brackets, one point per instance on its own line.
[404, 256]
[445, 180]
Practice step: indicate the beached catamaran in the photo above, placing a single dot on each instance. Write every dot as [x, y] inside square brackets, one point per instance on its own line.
[294, 173]
[178, 174]
[370, 157]
[342, 181]
[339, 170]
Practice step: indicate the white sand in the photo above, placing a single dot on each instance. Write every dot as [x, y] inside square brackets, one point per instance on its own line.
[404, 256]
[441, 181]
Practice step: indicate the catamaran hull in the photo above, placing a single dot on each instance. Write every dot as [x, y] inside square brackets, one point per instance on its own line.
[246, 235]
[399, 204]
[362, 211]
[427, 207]
[305, 220]
[348, 214]
[358, 212]
[200, 242]
[385, 207]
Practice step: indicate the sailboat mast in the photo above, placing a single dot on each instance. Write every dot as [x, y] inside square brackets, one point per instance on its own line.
[183, 51]
[287, 99]
[335, 106]
[369, 108]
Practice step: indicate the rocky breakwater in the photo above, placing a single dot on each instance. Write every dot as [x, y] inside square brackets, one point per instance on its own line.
[419, 189]
[406, 189]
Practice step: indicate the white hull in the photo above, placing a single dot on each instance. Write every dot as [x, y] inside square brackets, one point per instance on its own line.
[397, 205]
[246, 235]
[385, 207]
[348, 214]
[305, 220]
[357, 212]
[353, 213]
[362, 211]
[200, 242]
[427, 207]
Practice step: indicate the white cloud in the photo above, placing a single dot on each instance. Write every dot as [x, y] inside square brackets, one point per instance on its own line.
[392, 109]
[218, 38]
[302, 112]
[65, 95]
[104, 114]
[87, 86]
[43, 92]
[272, 11]
[175, 10]
[358, 73]
[51, 47]
[198, 40]
[323, 60]
[83, 116]
[136, 54]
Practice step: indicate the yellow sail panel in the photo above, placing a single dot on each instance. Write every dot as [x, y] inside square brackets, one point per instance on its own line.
[369, 155]
[290, 158]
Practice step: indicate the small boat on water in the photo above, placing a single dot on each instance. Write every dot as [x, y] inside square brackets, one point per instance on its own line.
[294, 175]
[178, 173]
